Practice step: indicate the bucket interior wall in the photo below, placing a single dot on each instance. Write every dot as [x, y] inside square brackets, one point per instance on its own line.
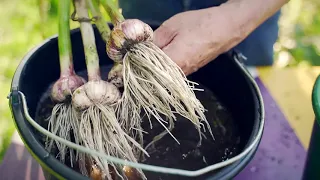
[221, 76]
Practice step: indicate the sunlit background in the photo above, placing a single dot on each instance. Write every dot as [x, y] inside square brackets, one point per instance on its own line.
[25, 23]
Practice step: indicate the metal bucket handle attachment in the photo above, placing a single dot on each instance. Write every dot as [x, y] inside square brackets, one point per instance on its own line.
[147, 167]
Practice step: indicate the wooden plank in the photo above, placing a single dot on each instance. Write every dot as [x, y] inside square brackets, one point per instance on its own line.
[18, 164]
[292, 87]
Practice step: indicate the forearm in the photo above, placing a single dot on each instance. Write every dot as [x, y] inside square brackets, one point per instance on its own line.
[249, 14]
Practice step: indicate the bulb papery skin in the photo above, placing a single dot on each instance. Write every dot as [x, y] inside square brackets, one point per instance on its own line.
[95, 173]
[102, 92]
[65, 86]
[136, 31]
[113, 53]
[95, 92]
[124, 35]
[80, 100]
[115, 75]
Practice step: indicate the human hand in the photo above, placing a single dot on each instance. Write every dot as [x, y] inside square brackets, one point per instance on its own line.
[194, 38]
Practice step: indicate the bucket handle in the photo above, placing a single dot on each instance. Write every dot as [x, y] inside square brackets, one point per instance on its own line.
[147, 167]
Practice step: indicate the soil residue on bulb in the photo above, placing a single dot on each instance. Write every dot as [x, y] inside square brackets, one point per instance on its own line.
[166, 152]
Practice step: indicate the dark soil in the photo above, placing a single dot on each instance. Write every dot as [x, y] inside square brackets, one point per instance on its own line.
[167, 152]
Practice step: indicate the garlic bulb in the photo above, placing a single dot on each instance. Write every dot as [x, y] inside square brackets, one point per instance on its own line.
[124, 35]
[95, 92]
[115, 75]
[95, 173]
[65, 86]
[80, 100]
[102, 92]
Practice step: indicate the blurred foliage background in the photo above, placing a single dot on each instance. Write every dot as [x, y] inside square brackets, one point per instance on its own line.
[25, 23]
[299, 36]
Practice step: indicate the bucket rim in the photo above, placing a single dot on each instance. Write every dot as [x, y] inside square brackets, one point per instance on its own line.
[253, 140]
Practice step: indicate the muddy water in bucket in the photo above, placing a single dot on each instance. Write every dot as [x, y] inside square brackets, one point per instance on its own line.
[166, 152]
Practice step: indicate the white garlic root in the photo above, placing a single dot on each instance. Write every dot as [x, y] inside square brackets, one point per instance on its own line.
[99, 128]
[151, 80]
[64, 123]
[62, 120]
[161, 135]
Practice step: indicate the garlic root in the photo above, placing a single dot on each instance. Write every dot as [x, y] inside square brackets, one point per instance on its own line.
[151, 80]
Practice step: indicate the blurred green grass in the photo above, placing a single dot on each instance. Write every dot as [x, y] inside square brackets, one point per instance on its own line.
[299, 36]
[24, 24]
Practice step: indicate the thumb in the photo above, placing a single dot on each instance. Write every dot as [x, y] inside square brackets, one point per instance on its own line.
[163, 36]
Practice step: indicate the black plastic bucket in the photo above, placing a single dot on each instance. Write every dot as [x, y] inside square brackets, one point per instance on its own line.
[225, 76]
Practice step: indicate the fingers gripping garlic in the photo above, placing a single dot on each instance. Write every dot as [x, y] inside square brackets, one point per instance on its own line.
[126, 34]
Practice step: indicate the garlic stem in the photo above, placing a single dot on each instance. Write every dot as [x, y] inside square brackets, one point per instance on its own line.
[101, 23]
[64, 42]
[90, 49]
[113, 12]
